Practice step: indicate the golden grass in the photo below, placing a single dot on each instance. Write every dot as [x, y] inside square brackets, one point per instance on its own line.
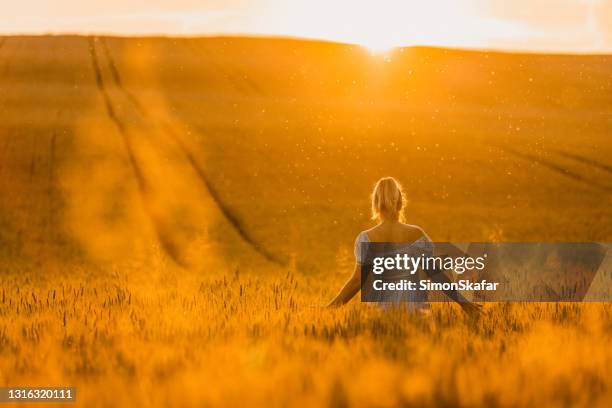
[231, 338]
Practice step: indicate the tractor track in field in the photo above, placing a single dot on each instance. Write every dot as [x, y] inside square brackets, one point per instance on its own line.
[585, 160]
[555, 167]
[110, 110]
[214, 194]
[117, 78]
[143, 187]
[169, 130]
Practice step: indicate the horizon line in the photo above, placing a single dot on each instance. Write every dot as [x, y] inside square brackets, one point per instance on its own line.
[263, 36]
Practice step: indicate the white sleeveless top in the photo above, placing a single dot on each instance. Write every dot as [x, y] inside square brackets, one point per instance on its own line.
[407, 299]
[422, 245]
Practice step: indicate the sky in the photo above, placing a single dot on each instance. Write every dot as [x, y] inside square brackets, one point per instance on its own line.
[530, 25]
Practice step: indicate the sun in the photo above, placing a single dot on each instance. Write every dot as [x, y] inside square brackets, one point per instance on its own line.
[378, 42]
[379, 45]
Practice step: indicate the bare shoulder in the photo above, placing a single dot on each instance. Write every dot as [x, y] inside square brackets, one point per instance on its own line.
[413, 231]
[374, 228]
[395, 233]
[372, 234]
[410, 227]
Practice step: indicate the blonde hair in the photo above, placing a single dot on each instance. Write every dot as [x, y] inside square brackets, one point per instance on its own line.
[387, 200]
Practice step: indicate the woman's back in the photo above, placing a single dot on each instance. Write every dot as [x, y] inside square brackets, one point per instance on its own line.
[397, 239]
[395, 232]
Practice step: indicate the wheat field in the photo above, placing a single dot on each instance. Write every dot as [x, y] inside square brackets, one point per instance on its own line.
[174, 213]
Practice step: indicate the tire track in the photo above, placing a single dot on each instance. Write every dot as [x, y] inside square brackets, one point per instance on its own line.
[169, 130]
[555, 167]
[585, 160]
[143, 186]
[117, 77]
[227, 213]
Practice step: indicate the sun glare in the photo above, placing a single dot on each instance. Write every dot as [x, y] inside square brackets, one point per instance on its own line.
[379, 46]
[386, 24]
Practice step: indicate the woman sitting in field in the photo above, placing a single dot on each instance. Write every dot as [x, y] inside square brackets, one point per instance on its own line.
[387, 206]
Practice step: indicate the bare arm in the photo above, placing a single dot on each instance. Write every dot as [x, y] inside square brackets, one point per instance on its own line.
[350, 288]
